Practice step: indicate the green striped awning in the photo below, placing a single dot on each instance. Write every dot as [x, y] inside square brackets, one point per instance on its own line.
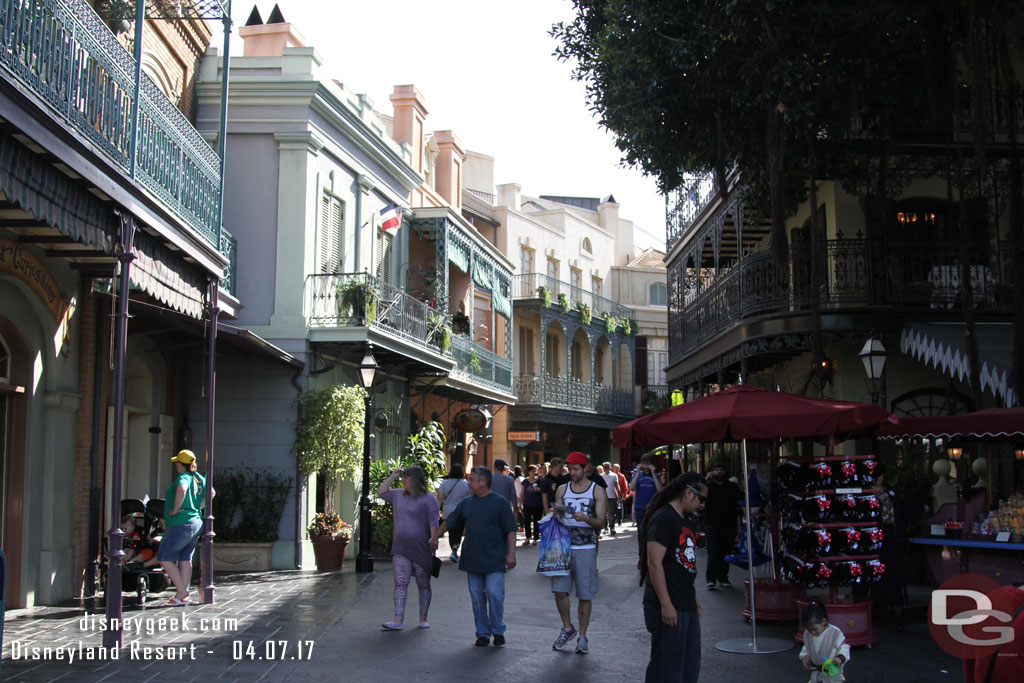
[39, 188]
[166, 276]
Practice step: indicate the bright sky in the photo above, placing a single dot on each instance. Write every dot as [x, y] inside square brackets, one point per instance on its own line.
[487, 72]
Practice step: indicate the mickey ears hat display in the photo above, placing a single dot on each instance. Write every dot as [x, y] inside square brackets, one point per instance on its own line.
[185, 457]
[577, 458]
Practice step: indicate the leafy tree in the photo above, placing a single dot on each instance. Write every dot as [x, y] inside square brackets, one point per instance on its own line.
[329, 434]
[788, 92]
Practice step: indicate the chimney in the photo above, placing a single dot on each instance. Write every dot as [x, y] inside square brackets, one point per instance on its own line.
[448, 170]
[409, 119]
[270, 39]
[608, 218]
[510, 195]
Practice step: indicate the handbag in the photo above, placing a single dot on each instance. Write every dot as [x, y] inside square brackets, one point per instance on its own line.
[435, 566]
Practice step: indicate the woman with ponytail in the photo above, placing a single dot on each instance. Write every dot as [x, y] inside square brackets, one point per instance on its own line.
[668, 566]
[184, 501]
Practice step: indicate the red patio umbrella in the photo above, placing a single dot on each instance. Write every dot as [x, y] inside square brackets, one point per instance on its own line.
[745, 412]
[983, 424]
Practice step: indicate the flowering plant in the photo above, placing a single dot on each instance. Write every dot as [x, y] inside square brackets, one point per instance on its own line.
[329, 524]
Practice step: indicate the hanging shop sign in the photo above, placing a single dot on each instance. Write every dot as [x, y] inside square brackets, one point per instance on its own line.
[470, 420]
[523, 439]
[22, 263]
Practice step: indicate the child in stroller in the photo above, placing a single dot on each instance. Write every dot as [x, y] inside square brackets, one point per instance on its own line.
[142, 524]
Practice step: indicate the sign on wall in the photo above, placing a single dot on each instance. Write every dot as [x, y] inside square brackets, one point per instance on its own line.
[19, 261]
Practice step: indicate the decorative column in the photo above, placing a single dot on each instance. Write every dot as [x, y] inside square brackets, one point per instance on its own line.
[213, 311]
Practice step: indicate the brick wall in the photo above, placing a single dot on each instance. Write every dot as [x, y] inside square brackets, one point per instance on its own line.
[93, 312]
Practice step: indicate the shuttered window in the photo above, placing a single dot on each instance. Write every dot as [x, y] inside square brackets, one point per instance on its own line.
[382, 257]
[332, 220]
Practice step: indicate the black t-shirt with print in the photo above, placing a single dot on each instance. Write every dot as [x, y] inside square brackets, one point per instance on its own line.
[549, 484]
[680, 563]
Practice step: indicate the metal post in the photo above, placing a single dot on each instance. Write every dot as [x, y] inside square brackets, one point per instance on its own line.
[95, 493]
[112, 637]
[211, 385]
[222, 135]
[364, 562]
[140, 20]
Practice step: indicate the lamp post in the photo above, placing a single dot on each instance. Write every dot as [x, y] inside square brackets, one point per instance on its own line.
[873, 356]
[364, 562]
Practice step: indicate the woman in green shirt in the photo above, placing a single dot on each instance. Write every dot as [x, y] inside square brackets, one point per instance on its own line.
[184, 501]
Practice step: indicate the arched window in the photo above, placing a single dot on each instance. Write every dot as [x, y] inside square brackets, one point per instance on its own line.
[587, 248]
[659, 294]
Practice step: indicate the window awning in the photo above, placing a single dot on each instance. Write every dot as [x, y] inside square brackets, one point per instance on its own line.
[166, 276]
[944, 347]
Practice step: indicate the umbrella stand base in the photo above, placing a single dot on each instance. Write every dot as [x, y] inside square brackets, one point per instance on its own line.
[746, 646]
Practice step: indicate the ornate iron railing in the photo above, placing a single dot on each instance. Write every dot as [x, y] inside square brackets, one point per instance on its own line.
[654, 397]
[481, 366]
[525, 286]
[686, 203]
[856, 273]
[362, 300]
[65, 54]
[229, 247]
[570, 393]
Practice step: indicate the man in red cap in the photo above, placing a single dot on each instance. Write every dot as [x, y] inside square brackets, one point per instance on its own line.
[582, 504]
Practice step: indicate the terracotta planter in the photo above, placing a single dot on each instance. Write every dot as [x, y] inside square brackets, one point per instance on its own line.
[329, 553]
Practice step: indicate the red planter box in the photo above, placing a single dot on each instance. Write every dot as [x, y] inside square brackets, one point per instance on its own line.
[774, 599]
[852, 618]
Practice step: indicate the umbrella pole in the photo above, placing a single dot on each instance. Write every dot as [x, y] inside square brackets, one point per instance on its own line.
[743, 645]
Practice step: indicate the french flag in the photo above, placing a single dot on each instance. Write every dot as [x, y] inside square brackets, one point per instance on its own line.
[391, 216]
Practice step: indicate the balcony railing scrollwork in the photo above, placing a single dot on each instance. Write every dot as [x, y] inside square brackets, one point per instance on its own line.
[573, 394]
[525, 286]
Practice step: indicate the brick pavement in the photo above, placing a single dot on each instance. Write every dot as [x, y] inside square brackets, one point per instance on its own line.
[341, 614]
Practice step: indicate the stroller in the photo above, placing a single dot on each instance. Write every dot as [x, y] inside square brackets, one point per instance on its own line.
[144, 540]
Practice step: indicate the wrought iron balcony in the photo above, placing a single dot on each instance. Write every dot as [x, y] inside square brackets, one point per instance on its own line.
[362, 300]
[481, 366]
[62, 52]
[525, 286]
[857, 274]
[655, 397]
[572, 394]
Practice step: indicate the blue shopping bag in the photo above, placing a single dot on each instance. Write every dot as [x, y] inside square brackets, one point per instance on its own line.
[555, 542]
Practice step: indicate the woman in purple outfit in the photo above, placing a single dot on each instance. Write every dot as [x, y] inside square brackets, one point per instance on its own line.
[415, 538]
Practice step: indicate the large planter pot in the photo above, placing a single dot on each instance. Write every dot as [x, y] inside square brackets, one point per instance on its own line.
[242, 557]
[329, 553]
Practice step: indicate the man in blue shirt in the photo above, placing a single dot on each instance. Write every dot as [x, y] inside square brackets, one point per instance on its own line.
[488, 550]
[646, 483]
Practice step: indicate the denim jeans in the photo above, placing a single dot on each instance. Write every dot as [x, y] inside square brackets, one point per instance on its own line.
[488, 594]
[675, 652]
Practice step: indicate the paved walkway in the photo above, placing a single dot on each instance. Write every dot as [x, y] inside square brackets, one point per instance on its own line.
[301, 626]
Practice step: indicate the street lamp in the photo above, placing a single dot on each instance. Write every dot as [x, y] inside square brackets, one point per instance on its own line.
[364, 562]
[873, 356]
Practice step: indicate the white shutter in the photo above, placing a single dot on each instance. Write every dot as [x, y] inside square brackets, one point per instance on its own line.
[383, 255]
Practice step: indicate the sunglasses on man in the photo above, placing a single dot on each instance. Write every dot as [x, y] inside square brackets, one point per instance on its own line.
[700, 496]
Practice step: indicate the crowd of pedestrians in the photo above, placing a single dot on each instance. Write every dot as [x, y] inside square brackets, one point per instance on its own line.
[483, 513]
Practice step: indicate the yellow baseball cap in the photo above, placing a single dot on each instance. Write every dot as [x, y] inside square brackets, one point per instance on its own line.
[185, 457]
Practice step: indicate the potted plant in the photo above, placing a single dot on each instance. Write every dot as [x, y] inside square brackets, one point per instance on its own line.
[634, 327]
[460, 323]
[330, 536]
[563, 301]
[358, 298]
[440, 334]
[625, 326]
[329, 436]
[585, 313]
[474, 363]
[610, 323]
[250, 503]
[545, 296]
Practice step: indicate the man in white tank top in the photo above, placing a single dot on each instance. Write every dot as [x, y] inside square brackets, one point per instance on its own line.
[583, 505]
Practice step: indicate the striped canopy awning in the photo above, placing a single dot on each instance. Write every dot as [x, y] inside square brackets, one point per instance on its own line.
[50, 195]
[166, 276]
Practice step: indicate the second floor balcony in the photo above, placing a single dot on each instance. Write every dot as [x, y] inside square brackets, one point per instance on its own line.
[572, 394]
[923, 280]
[360, 300]
[65, 55]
